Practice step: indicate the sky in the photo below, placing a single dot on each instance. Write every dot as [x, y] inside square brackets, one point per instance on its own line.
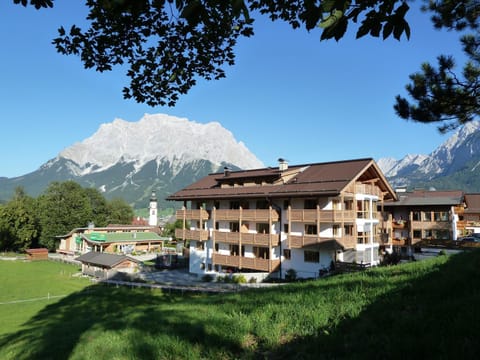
[288, 95]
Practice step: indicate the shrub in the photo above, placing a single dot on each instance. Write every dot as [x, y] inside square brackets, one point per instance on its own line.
[239, 279]
[252, 280]
[442, 253]
[207, 278]
[291, 275]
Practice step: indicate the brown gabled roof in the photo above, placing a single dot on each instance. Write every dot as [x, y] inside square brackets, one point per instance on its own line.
[473, 203]
[103, 259]
[429, 198]
[317, 179]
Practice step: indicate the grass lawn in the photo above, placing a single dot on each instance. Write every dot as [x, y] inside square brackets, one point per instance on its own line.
[427, 309]
[22, 280]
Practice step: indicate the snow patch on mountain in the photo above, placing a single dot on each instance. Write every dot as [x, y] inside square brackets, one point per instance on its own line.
[461, 147]
[157, 137]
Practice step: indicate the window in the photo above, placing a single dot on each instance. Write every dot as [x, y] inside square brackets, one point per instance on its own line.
[217, 225]
[263, 228]
[417, 216]
[261, 252]
[428, 234]
[234, 205]
[286, 204]
[427, 216]
[245, 205]
[200, 245]
[310, 204]
[417, 234]
[348, 229]
[440, 216]
[311, 256]
[262, 204]
[287, 254]
[441, 234]
[216, 204]
[243, 250]
[348, 204]
[234, 250]
[234, 226]
[216, 247]
[310, 229]
[285, 228]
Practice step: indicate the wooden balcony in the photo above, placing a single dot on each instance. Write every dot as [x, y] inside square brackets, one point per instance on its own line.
[189, 214]
[431, 225]
[399, 242]
[256, 215]
[185, 234]
[367, 189]
[311, 215]
[300, 241]
[247, 238]
[245, 262]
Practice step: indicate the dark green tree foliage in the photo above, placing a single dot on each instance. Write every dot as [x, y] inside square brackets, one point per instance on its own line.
[169, 230]
[99, 206]
[438, 94]
[19, 228]
[27, 222]
[168, 45]
[63, 207]
[119, 212]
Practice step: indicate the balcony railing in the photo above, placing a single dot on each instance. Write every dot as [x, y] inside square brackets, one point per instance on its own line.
[256, 215]
[246, 262]
[189, 214]
[300, 241]
[311, 215]
[185, 234]
[247, 238]
[431, 225]
[367, 189]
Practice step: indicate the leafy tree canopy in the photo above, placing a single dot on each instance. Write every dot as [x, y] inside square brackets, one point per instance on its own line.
[168, 45]
[19, 228]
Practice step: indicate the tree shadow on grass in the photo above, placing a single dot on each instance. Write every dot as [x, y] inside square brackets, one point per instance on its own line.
[137, 316]
[437, 316]
[434, 316]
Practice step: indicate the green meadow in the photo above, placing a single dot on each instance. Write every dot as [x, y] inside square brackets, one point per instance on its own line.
[427, 309]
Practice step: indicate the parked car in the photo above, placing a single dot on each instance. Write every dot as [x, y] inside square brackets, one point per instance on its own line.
[474, 239]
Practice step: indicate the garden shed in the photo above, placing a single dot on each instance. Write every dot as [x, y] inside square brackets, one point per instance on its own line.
[37, 254]
[105, 265]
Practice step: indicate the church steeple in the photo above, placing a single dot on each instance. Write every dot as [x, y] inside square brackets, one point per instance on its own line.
[153, 218]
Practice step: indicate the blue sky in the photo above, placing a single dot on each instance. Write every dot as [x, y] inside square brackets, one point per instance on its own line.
[289, 95]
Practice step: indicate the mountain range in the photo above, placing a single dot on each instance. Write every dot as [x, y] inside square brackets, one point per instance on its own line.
[131, 159]
[453, 165]
[164, 153]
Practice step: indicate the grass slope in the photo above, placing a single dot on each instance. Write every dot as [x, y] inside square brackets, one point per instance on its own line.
[424, 310]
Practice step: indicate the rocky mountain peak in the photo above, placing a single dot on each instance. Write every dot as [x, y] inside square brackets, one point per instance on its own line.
[162, 137]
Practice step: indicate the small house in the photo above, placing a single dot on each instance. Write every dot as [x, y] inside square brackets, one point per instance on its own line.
[104, 265]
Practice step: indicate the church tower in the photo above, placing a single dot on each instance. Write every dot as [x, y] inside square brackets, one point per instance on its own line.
[153, 219]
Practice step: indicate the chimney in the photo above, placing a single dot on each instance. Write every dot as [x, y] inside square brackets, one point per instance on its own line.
[226, 171]
[282, 164]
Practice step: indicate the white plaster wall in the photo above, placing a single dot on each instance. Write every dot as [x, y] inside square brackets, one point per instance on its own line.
[307, 269]
[197, 257]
